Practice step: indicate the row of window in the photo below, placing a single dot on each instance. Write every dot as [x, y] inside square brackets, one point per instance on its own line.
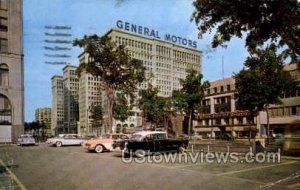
[284, 111]
[215, 90]
[133, 43]
[187, 57]
[224, 121]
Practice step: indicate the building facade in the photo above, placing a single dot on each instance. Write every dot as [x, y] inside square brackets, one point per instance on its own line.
[90, 94]
[220, 114]
[286, 113]
[57, 117]
[43, 116]
[71, 97]
[11, 71]
[165, 62]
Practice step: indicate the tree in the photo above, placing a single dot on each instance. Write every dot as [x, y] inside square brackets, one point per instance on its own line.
[190, 96]
[113, 64]
[121, 108]
[97, 116]
[153, 106]
[262, 83]
[272, 21]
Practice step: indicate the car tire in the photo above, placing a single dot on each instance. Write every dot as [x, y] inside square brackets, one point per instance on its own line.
[140, 153]
[99, 148]
[58, 144]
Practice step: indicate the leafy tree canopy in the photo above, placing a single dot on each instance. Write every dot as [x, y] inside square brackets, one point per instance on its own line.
[189, 97]
[112, 63]
[96, 114]
[275, 21]
[114, 66]
[263, 82]
[153, 106]
[121, 108]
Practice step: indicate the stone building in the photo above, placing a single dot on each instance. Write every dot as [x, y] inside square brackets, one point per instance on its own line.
[11, 70]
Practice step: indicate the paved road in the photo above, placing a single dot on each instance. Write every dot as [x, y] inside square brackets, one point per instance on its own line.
[44, 167]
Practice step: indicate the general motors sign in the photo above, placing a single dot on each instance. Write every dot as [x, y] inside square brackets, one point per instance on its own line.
[155, 34]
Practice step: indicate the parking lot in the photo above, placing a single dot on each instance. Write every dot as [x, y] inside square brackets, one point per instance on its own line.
[44, 167]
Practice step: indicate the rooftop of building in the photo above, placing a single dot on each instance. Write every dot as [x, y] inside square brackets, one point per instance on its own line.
[56, 76]
[70, 66]
[229, 80]
[153, 39]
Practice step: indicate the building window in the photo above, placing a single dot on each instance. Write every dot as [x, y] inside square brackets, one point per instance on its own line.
[3, 45]
[228, 87]
[222, 89]
[3, 24]
[215, 90]
[4, 75]
[3, 4]
[5, 111]
[294, 110]
[240, 120]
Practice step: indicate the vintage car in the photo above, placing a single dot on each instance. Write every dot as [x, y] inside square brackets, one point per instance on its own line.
[66, 139]
[149, 142]
[103, 143]
[26, 139]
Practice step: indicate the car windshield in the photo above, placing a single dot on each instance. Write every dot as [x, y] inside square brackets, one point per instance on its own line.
[136, 137]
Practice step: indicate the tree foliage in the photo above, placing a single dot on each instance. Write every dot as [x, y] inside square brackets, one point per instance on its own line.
[154, 107]
[121, 108]
[190, 96]
[275, 21]
[113, 64]
[263, 82]
[97, 116]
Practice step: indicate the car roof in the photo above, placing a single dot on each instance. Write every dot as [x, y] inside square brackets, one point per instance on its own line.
[144, 133]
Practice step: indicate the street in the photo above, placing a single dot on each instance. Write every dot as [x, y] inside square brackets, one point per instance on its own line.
[43, 167]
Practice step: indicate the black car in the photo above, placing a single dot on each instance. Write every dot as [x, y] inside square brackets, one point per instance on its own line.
[225, 136]
[148, 142]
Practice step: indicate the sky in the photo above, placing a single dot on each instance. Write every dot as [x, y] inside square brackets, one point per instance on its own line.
[87, 17]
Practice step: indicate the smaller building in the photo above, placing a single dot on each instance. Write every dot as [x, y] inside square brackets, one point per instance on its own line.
[43, 116]
[220, 114]
[287, 112]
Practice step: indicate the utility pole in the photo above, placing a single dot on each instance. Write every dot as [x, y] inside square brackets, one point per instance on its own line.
[222, 66]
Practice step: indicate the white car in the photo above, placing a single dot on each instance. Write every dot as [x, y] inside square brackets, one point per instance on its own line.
[66, 139]
[26, 139]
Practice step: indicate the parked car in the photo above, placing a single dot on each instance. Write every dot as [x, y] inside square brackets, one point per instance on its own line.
[148, 142]
[66, 139]
[26, 139]
[104, 143]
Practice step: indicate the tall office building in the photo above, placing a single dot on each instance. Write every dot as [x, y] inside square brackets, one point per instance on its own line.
[166, 63]
[43, 116]
[57, 104]
[11, 71]
[90, 94]
[71, 107]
